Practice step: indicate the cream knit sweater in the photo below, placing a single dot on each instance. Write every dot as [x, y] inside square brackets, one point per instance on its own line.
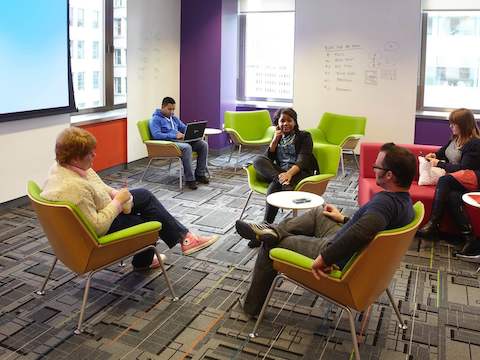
[90, 194]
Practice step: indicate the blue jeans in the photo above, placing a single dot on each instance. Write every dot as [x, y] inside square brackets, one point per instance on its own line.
[146, 207]
[201, 148]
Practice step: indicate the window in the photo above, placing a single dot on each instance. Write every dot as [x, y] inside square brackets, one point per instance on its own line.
[117, 26]
[70, 16]
[264, 73]
[95, 18]
[118, 56]
[80, 49]
[80, 17]
[95, 45]
[81, 81]
[118, 3]
[95, 83]
[118, 85]
[451, 73]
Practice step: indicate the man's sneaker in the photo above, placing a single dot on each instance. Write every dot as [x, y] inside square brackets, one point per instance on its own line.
[260, 232]
[192, 184]
[193, 243]
[202, 179]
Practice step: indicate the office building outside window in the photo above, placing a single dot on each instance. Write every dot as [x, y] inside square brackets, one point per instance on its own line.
[81, 81]
[99, 53]
[266, 72]
[120, 51]
[452, 64]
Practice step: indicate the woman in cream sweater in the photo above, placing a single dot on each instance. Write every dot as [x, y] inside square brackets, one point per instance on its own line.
[108, 210]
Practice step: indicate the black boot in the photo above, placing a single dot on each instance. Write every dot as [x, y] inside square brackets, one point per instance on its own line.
[471, 248]
[430, 229]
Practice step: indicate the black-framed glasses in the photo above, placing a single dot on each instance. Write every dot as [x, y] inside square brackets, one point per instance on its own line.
[380, 168]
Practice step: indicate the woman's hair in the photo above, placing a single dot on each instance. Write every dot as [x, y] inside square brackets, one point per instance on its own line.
[73, 143]
[466, 123]
[287, 111]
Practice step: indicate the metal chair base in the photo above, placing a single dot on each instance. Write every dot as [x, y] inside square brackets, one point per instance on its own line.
[351, 319]
[79, 329]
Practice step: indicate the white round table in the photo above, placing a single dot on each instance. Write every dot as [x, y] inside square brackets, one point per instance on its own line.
[285, 200]
[206, 134]
[468, 199]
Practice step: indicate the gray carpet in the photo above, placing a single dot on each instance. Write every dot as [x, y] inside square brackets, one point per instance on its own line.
[130, 315]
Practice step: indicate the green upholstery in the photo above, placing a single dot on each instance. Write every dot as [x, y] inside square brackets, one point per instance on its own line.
[298, 260]
[34, 191]
[336, 129]
[249, 127]
[144, 130]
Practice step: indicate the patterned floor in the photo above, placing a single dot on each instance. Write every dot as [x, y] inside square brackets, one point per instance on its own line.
[130, 315]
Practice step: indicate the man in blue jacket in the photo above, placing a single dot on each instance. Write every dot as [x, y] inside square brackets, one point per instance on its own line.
[164, 125]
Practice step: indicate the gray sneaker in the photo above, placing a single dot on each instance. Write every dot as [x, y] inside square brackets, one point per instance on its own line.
[261, 232]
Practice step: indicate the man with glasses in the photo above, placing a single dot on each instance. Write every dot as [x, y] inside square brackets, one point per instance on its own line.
[327, 235]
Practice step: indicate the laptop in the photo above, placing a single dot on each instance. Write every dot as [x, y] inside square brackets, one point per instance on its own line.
[194, 131]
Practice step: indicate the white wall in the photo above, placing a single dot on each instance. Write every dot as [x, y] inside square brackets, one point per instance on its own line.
[450, 4]
[153, 62]
[354, 59]
[27, 150]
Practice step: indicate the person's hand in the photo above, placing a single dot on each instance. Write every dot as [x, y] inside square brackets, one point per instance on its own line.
[333, 213]
[122, 196]
[278, 133]
[179, 135]
[319, 268]
[285, 178]
[430, 156]
[434, 162]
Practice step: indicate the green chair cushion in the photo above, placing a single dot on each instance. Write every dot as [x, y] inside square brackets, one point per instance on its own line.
[336, 127]
[254, 182]
[131, 231]
[251, 127]
[144, 129]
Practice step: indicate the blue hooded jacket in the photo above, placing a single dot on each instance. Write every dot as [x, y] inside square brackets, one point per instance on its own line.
[163, 128]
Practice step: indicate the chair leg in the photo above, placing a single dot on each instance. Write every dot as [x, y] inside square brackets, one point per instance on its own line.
[356, 160]
[245, 206]
[401, 324]
[169, 165]
[342, 164]
[145, 172]
[238, 156]
[254, 333]
[167, 279]
[42, 289]
[84, 303]
[180, 174]
[419, 243]
[351, 320]
[231, 153]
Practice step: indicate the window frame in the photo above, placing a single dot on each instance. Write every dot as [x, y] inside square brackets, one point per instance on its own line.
[108, 70]
[242, 30]
[423, 64]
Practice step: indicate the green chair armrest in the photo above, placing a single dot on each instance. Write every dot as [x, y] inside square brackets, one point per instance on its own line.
[131, 231]
[254, 183]
[315, 179]
[237, 138]
[269, 132]
[298, 260]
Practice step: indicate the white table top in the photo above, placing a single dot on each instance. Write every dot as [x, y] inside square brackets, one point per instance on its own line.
[212, 131]
[284, 200]
[468, 200]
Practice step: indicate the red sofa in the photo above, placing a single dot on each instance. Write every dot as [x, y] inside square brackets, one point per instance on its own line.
[367, 186]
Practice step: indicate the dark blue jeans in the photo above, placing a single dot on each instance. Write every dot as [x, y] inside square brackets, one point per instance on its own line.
[146, 207]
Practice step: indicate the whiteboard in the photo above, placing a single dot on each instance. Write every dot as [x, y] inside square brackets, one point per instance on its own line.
[358, 57]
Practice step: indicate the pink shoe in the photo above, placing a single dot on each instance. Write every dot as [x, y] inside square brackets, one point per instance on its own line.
[193, 243]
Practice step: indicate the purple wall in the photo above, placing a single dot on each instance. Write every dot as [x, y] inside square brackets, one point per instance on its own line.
[201, 68]
[429, 131]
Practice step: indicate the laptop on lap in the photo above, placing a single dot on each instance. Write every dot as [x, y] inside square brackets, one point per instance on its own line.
[194, 131]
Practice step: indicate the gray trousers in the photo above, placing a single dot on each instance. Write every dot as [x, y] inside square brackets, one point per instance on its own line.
[306, 234]
[201, 147]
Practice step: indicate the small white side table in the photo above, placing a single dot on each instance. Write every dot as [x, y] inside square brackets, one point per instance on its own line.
[206, 134]
[285, 200]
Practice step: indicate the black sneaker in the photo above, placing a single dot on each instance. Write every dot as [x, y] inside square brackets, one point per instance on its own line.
[202, 179]
[259, 232]
[192, 184]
